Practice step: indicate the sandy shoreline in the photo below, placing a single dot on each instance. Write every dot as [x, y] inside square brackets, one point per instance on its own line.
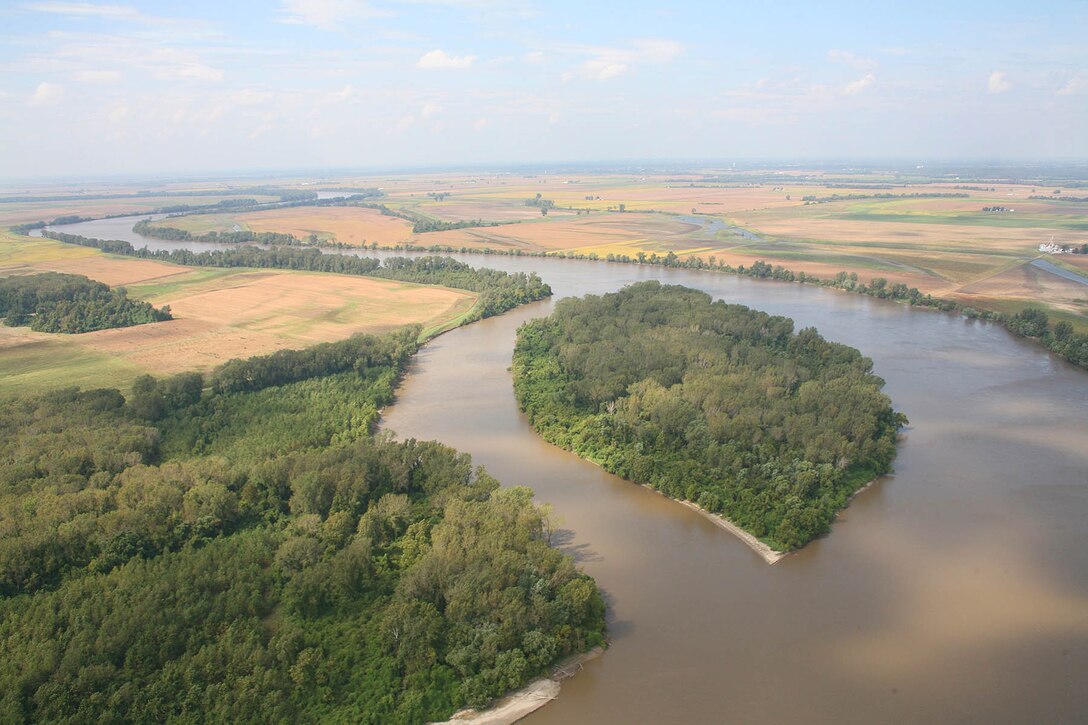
[768, 554]
[520, 703]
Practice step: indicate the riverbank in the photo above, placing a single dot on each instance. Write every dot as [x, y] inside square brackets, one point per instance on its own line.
[769, 555]
[530, 698]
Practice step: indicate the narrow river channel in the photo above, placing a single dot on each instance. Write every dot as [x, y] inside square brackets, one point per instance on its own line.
[955, 590]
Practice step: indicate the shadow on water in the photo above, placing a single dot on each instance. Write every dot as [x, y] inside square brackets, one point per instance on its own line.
[564, 540]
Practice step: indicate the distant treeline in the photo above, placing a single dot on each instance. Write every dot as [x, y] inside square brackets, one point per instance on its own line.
[1059, 198]
[422, 226]
[1071, 346]
[717, 404]
[284, 194]
[858, 186]
[66, 219]
[70, 303]
[540, 202]
[248, 551]
[419, 226]
[812, 199]
[150, 229]
[288, 199]
[498, 291]
[178, 209]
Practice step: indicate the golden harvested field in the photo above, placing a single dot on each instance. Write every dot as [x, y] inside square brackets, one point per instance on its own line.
[347, 225]
[219, 314]
[904, 234]
[107, 269]
[253, 312]
[676, 199]
[464, 208]
[621, 234]
[946, 246]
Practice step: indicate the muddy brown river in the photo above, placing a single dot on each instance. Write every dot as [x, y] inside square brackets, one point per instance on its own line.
[955, 590]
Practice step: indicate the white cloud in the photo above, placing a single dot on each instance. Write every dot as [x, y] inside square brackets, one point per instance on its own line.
[534, 57]
[613, 62]
[481, 124]
[441, 59]
[657, 50]
[96, 76]
[118, 114]
[851, 59]
[998, 83]
[855, 87]
[46, 94]
[601, 69]
[119, 13]
[429, 110]
[91, 10]
[328, 14]
[1076, 85]
[191, 71]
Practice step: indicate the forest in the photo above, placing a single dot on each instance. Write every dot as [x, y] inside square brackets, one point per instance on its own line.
[244, 548]
[498, 291]
[716, 404]
[70, 303]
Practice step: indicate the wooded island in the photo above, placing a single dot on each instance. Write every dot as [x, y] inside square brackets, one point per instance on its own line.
[716, 404]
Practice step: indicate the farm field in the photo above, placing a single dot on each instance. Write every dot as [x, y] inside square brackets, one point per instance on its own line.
[496, 210]
[19, 212]
[219, 314]
[347, 225]
[933, 234]
[940, 241]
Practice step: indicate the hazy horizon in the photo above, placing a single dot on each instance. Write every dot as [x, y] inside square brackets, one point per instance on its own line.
[171, 89]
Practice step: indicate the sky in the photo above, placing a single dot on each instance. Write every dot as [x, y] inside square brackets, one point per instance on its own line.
[90, 89]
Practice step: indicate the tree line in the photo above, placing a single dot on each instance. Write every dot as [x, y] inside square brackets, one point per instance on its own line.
[1067, 344]
[813, 199]
[716, 404]
[288, 198]
[149, 229]
[71, 303]
[245, 548]
[423, 226]
[498, 291]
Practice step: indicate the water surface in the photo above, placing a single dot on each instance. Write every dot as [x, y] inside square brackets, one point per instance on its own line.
[955, 590]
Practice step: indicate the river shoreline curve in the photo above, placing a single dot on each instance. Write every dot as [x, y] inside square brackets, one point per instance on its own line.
[769, 555]
[514, 706]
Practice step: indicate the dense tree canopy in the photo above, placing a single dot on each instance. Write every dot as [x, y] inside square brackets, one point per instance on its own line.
[70, 303]
[714, 403]
[251, 552]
